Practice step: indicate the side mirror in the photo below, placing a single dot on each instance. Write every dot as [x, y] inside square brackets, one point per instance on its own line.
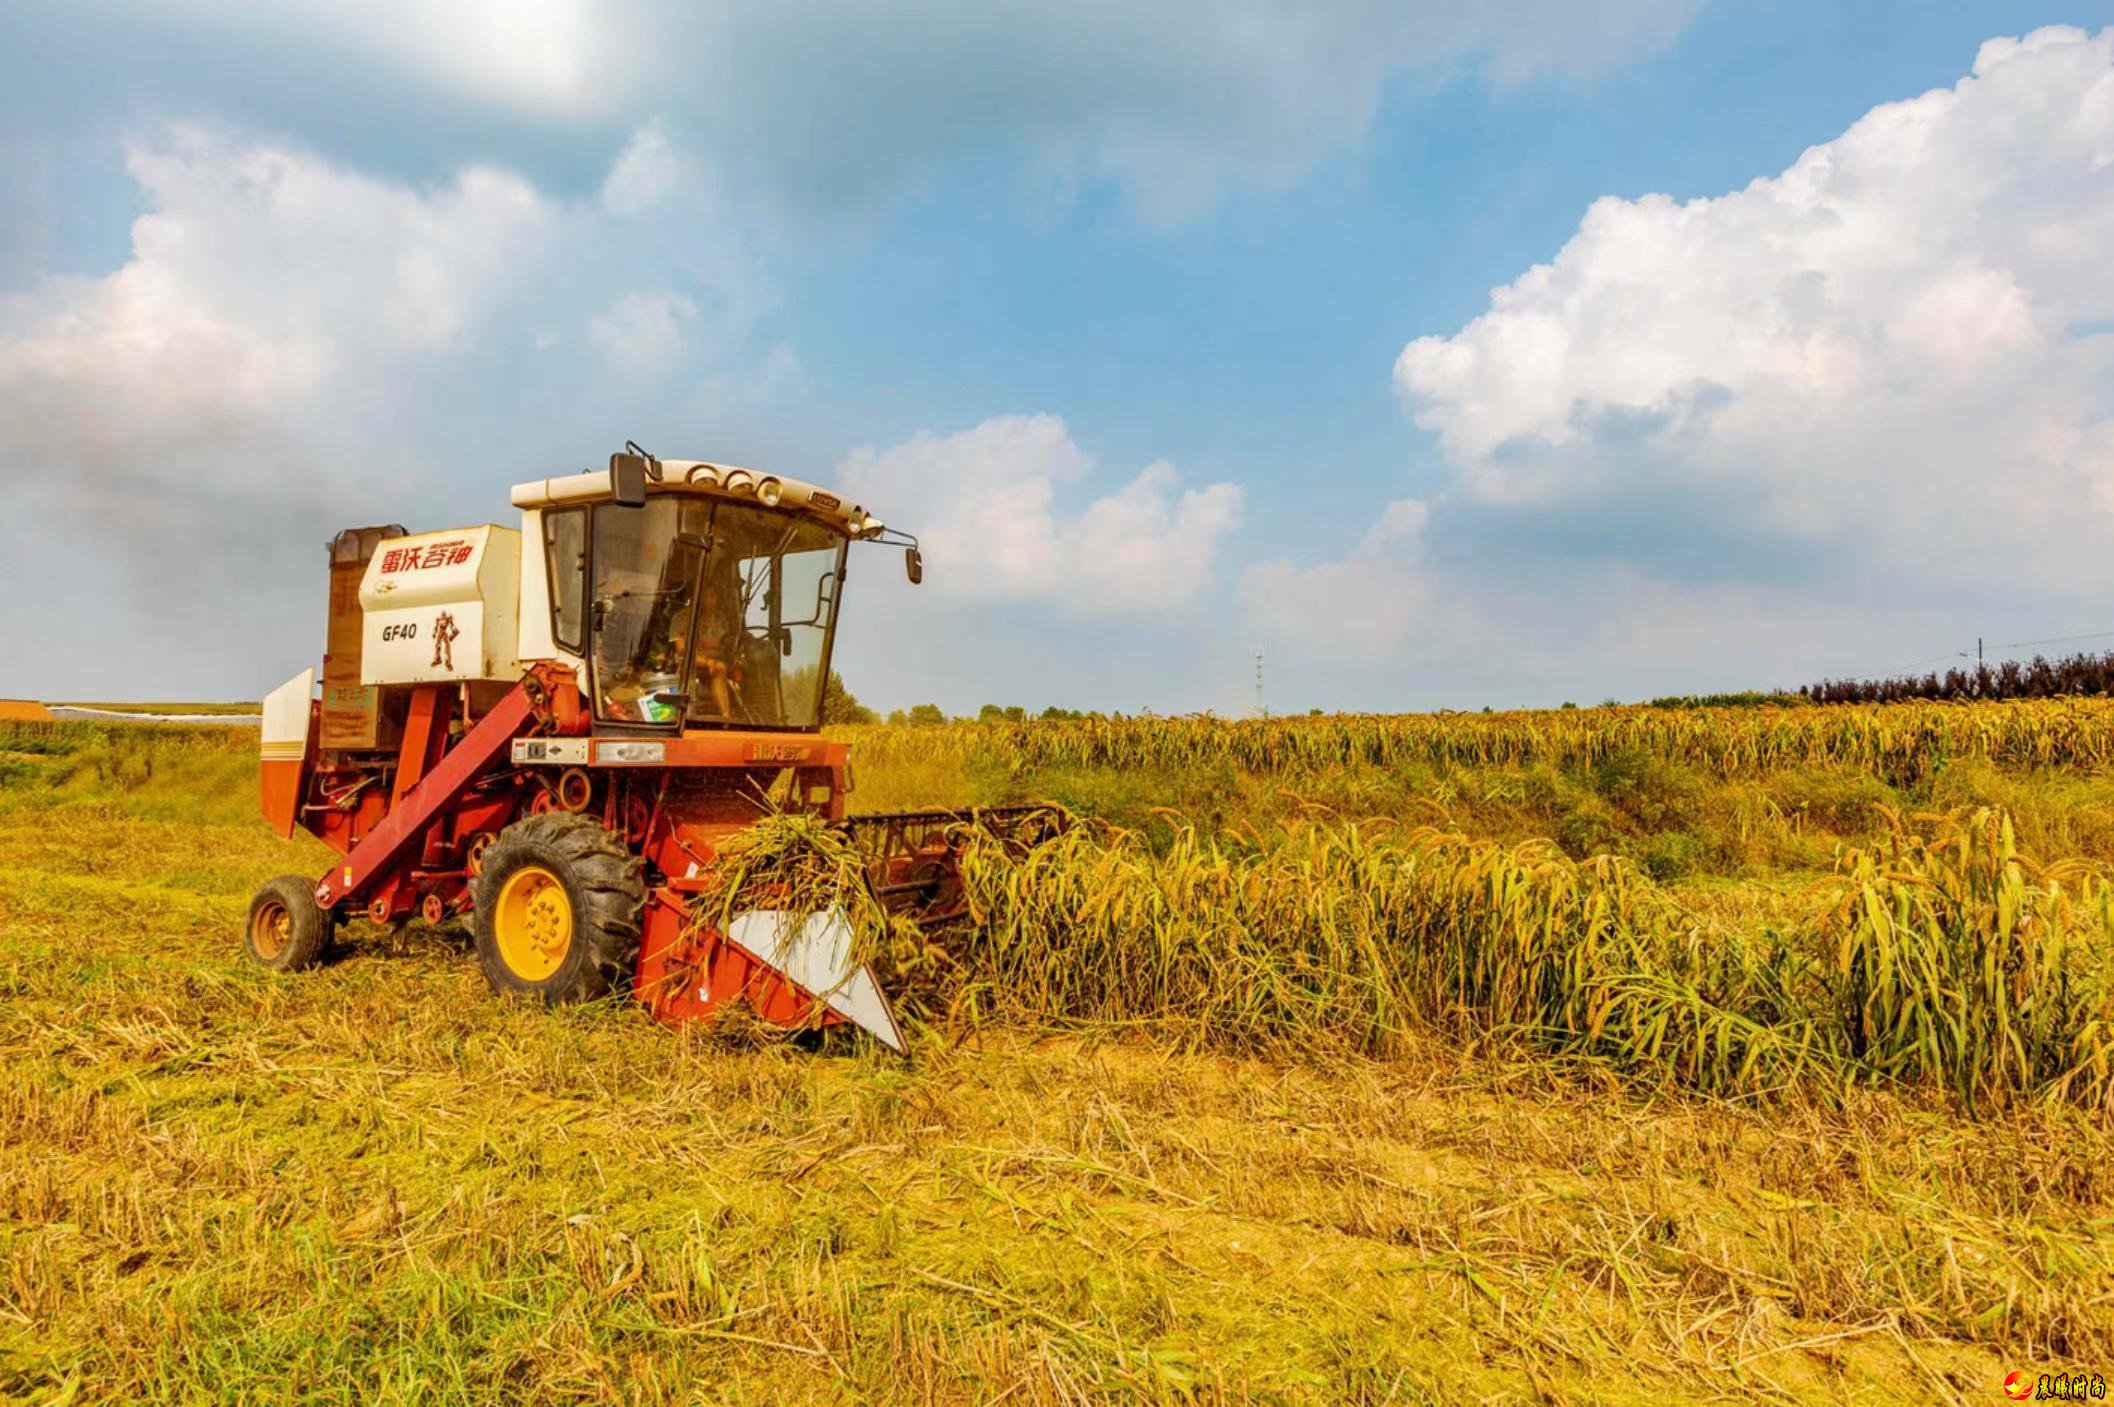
[913, 565]
[627, 480]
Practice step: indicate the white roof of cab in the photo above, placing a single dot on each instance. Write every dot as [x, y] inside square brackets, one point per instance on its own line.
[703, 476]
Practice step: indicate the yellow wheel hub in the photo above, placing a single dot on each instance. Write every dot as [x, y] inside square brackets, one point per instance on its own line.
[271, 929]
[533, 923]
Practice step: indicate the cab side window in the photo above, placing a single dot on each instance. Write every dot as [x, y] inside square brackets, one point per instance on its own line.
[565, 546]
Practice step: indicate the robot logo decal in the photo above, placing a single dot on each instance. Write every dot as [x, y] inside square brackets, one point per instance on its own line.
[444, 633]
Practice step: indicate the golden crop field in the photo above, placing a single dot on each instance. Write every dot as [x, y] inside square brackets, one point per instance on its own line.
[1901, 741]
[1609, 1055]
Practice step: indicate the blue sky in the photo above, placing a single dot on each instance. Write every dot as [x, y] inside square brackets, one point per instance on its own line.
[1112, 304]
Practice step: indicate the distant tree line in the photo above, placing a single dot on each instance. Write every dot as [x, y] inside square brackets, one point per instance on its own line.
[2037, 678]
[839, 705]
[989, 713]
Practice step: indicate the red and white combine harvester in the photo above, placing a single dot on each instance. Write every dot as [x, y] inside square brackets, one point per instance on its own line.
[555, 729]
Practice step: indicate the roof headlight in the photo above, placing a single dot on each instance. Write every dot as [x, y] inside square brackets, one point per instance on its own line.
[738, 481]
[769, 491]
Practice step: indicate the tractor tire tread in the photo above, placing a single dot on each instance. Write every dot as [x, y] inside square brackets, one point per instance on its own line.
[311, 929]
[606, 883]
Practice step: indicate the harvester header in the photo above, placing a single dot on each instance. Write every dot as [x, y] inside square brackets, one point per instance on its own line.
[555, 729]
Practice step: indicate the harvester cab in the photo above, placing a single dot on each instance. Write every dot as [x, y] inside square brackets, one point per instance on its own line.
[554, 730]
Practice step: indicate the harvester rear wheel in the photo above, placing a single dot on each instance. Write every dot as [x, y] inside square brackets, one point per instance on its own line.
[286, 931]
[557, 903]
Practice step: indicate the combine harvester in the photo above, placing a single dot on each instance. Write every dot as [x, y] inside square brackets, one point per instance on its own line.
[555, 729]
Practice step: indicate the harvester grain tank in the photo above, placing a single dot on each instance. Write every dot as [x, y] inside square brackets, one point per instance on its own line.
[554, 728]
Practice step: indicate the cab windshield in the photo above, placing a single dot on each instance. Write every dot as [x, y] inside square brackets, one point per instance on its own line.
[711, 612]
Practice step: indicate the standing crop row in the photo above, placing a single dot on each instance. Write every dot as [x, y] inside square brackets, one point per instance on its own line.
[1900, 742]
[1947, 960]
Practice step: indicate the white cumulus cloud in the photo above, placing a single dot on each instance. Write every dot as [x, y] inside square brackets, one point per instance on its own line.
[278, 308]
[269, 298]
[292, 346]
[642, 334]
[646, 173]
[986, 505]
[1360, 608]
[1901, 341]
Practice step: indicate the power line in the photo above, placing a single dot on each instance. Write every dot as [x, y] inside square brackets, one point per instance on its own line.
[1922, 664]
[2058, 640]
[1925, 664]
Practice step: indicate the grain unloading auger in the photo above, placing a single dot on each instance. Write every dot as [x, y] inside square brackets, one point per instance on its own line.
[557, 729]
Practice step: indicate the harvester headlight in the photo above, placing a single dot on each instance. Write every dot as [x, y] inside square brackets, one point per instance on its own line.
[738, 481]
[703, 474]
[769, 491]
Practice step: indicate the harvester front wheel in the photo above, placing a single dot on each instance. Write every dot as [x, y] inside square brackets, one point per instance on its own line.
[286, 930]
[557, 902]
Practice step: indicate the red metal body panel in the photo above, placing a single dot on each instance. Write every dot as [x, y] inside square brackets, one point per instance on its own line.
[740, 748]
[281, 784]
[687, 970]
[283, 781]
[425, 736]
[685, 973]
